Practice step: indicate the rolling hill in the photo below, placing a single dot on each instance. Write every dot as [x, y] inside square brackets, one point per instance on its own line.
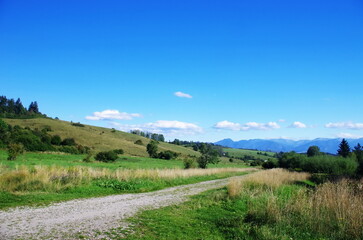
[98, 138]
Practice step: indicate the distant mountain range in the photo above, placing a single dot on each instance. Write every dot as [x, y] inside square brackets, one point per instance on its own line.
[328, 145]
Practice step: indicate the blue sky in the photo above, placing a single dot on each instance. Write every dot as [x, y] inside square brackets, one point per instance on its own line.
[252, 69]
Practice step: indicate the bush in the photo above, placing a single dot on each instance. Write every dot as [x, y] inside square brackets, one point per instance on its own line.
[271, 163]
[118, 151]
[189, 163]
[139, 142]
[109, 156]
[68, 142]
[56, 140]
[167, 155]
[14, 150]
[78, 124]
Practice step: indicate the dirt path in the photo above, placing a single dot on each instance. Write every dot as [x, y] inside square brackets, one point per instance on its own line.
[69, 219]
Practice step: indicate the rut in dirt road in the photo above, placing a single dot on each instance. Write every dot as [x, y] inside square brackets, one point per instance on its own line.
[66, 220]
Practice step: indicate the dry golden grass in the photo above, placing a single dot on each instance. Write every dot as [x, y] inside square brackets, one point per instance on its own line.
[55, 177]
[332, 209]
[335, 206]
[271, 178]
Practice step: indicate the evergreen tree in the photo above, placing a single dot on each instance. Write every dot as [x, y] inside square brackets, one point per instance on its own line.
[344, 148]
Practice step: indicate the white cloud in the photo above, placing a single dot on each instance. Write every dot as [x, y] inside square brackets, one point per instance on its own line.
[281, 120]
[112, 115]
[228, 125]
[297, 125]
[346, 125]
[183, 95]
[164, 127]
[247, 126]
[348, 135]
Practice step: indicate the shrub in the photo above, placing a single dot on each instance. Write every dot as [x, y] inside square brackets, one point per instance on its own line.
[56, 140]
[118, 151]
[271, 163]
[139, 142]
[189, 163]
[78, 124]
[167, 155]
[14, 150]
[68, 142]
[69, 149]
[152, 149]
[109, 156]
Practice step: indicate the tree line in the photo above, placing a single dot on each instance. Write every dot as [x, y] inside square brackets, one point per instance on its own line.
[153, 136]
[9, 108]
[347, 162]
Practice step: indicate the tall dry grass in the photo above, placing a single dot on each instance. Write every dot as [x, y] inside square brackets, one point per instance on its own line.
[271, 178]
[332, 210]
[333, 207]
[55, 177]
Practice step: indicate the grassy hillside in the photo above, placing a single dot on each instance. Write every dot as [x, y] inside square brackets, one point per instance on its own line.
[240, 153]
[98, 138]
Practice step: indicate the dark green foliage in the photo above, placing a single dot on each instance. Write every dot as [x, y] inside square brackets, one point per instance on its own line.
[77, 124]
[9, 108]
[358, 151]
[271, 163]
[35, 140]
[344, 148]
[56, 140]
[14, 150]
[189, 163]
[153, 136]
[167, 155]
[139, 142]
[209, 155]
[152, 149]
[313, 151]
[318, 164]
[69, 149]
[118, 151]
[107, 156]
[68, 142]
[33, 107]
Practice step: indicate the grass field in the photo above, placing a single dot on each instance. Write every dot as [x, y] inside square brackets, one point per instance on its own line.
[100, 139]
[240, 153]
[42, 178]
[267, 205]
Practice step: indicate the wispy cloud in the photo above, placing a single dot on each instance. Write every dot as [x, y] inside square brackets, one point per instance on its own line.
[247, 126]
[183, 95]
[112, 115]
[297, 125]
[345, 125]
[348, 135]
[164, 127]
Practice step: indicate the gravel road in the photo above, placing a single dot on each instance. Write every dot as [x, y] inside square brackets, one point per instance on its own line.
[89, 217]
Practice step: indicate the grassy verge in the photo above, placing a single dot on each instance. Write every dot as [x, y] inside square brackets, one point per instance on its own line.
[260, 207]
[31, 185]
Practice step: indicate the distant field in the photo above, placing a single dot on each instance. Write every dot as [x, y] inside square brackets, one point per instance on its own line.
[68, 160]
[234, 152]
[99, 138]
